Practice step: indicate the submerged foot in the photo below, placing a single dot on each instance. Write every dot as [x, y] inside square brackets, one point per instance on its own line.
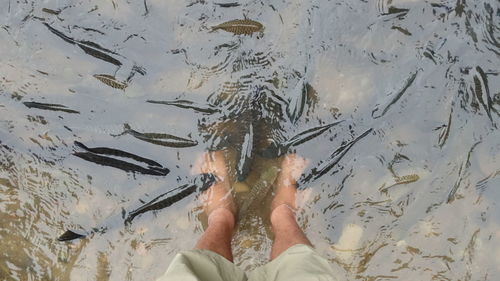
[218, 202]
[292, 167]
[283, 221]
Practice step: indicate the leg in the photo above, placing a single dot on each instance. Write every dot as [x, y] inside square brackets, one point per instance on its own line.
[219, 206]
[217, 237]
[287, 231]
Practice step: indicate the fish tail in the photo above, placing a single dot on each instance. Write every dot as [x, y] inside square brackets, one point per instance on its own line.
[210, 29]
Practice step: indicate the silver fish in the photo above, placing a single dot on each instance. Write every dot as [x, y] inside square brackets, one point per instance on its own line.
[325, 166]
[381, 109]
[187, 104]
[199, 183]
[297, 101]
[276, 150]
[49, 106]
[482, 91]
[160, 139]
[245, 155]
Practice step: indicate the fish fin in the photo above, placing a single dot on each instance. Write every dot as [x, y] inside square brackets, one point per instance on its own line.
[126, 129]
[310, 134]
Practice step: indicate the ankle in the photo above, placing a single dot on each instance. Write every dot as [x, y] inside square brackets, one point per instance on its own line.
[222, 217]
[282, 214]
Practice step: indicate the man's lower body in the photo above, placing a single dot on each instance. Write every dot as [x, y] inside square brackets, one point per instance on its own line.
[292, 256]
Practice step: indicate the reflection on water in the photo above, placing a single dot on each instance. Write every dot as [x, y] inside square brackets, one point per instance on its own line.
[104, 107]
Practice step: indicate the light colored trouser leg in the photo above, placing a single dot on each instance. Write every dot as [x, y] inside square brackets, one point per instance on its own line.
[202, 265]
[298, 263]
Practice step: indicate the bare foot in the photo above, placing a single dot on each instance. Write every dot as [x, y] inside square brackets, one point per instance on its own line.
[218, 199]
[292, 167]
[287, 232]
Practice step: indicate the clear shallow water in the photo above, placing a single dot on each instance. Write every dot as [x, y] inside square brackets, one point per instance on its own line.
[422, 75]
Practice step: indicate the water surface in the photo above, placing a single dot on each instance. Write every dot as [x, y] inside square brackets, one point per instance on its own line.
[416, 198]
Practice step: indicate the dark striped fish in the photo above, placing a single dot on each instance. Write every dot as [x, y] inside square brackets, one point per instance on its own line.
[49, 106]
[95, 155]
[188, 105]
[462, 174]
[228, 5]
[445, 131]
[111, 81]
[310, 134]
[160, 139]
[161, 202]
[50, 11]
[277, 150]
[482, 91]
[198, 184]
[120, 164]
[325, 166]
[297, 101]
[88, 47]
[382, 108]
[240, 27]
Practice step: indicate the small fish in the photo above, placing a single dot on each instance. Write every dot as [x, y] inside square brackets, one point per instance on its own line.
[160, 139]
[187, 104]
[483, 184]
[228, 5]
[146, 9]
[381, 109]
[70, 235]
[407, 179]
[445, 131]
[99, 55]
[461, 174]
[111, 81]
[335, 157]
[116, 152]
[120, 164]
[402, 30]
[260, 190]
[297, 101]
[483, 96]
[238, 27]
[50, 11]
[245, 155]
[309, 134]
[88, 47]
[277, 150]
[49, 106]
[95, 155]
[160, 202]
[394, 10]
[400, 180]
